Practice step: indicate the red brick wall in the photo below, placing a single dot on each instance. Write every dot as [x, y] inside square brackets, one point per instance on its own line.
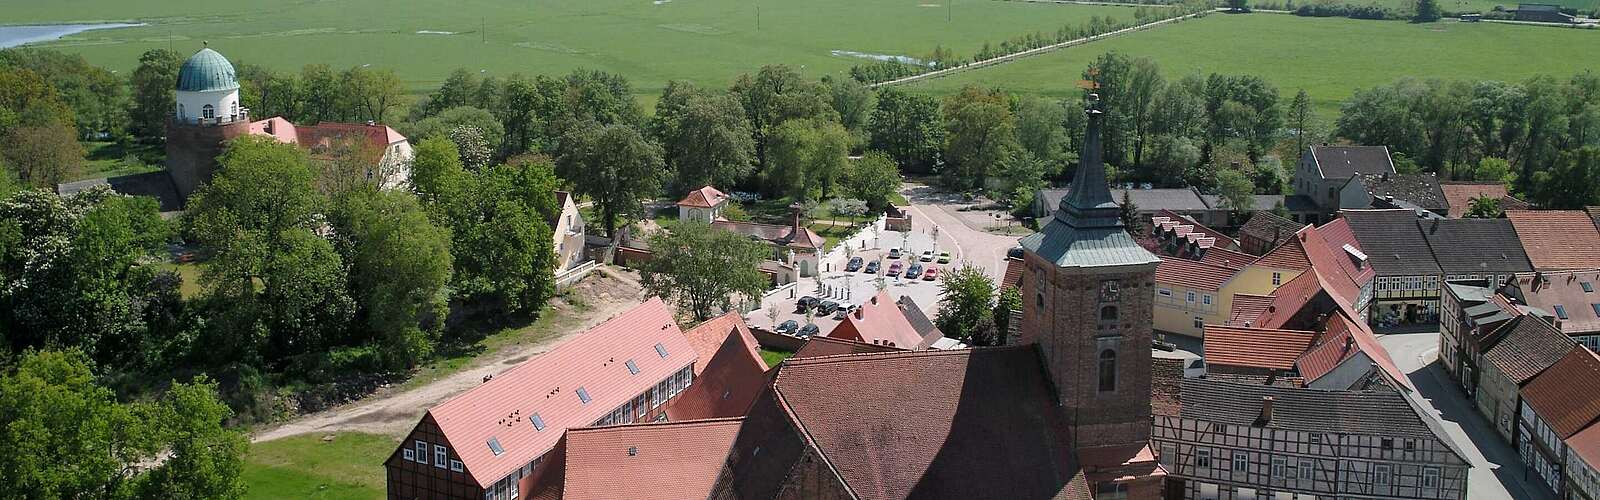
[409, 480]
[192, 152]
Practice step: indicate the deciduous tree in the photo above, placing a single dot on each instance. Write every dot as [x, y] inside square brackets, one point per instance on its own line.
[153, 82]
[613, 165]
[704, 270]
[909, 128]
[967, 298]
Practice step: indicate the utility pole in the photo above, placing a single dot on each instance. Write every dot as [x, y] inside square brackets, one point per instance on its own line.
[758, 15]
[949, 7]
[483, 29]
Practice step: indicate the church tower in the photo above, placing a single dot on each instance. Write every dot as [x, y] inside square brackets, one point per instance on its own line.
[206, 114]
[1087, 289]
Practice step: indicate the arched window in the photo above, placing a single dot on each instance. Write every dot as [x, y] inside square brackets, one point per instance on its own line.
[181, 113]
[1108, 370]
[233, 110]
[208, 112]
[1038, 299]
[1108, 313]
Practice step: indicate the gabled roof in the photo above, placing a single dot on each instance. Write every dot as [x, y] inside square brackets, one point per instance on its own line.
[1563, 395]
[705, 197]
[709, 336]
[733, 376]
[1248, 308]
[919, 320]
[1290, 255]
[1421, 190]
[879, 321]
[965, 423]
[1527, 346]
[1227, 258]
[1340, 246]
[1475, 246]
[1269, 227]
[1186, 273]
[1374, 413]
[1185, 226]
[773, 233]
[1013, 274]
[1341, 162]
[1309, 251]
[547, 385]
[1548, 290]
[1557, 239]
[1343, 336]
[818, 345]
[1459, 195]
[1266, 348]
[1392, 241]
[667, 460]
[320, 139]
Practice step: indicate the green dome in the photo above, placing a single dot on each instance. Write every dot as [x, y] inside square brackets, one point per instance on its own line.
[206, 71]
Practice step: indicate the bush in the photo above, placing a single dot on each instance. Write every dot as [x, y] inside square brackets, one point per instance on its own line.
[1376, 12]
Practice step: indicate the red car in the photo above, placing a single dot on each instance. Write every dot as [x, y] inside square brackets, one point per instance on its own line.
[894, 270]
[931, 274]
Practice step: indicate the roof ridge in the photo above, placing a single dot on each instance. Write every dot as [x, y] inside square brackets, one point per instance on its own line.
[1229, 327]
[839, 358]
[664, 423]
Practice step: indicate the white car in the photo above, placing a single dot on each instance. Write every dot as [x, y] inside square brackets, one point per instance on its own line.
[1194, 368]
[927, 255]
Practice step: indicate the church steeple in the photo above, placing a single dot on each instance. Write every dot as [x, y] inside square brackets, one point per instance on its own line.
[1089, 190]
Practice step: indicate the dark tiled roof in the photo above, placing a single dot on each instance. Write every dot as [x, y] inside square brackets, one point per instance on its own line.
[1475, 246]
[1269, 227]
[1341, 162]
[966, 423]
[156, 185]
[1300, 203]
[1419, 189]
[1557, 239]
[1527, 347]
[1564, 394]
[1384, 413]
[919, 320]
[1392, 241]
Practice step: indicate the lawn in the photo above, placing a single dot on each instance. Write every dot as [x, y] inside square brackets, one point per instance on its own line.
[189, 273]
[109, 159]
[773, 357]
[307, 467]
[1328, 57]
[707, 41]
[449, 359]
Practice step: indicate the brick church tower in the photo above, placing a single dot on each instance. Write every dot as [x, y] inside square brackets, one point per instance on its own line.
[1087, 289]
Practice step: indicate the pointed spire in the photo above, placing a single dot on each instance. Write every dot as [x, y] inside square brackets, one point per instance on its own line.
[1089, 189]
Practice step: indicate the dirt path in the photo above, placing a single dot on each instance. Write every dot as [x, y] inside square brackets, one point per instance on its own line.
[607, 293]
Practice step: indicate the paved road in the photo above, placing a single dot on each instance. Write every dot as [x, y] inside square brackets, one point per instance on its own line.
[1496, 471]
[980, 248]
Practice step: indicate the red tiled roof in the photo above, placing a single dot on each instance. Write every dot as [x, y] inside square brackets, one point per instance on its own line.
[547, 385]
[734, 375]
[709, 336]
[1343, 327]
[1248, 308]
[1459, 195]
[1557, 239]
[318, 138]
[705, 197]
[879, 321]
[1586, 444]
[1290, 255]
[782, 235]
[819, 345]
[1563, 289]
[1187, 273]
[667, 461]
[1564, 394]
[1289, 299]
[1013, 274]
[1255, 347]
[1338, 235]
[1227, 258]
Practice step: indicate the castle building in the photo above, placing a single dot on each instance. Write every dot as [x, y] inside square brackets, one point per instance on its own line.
[207, 113]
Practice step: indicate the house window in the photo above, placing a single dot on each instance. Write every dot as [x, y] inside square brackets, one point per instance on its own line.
[1430, 477]
[1386, 443]
[1380, 475]
[1164, 292]
[1278, 467]
[494, 447]
[1561, 312]
[1111, 491]
[208, 112]
[1199, 322]
[1316, 438]
[233, 110]
[1596, 308]
[1108, 370]
[1038, 300]
[422, 451]
[440, 456]
[1168, 453]
[1587, 287]
[1108, 313]
[1206, 299]
[455, 466]
[1189, 296]
[1410, 445]
[1202, 459]
[1305, 469]
[411, 455]
[1241, 461]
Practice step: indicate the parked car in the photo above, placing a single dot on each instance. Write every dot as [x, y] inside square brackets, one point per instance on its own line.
[894, 270]
[944, 257]
[805, 304]
[1194, 368]
[872, 267]
[853, 265]
[894, 253]
[788, 327]
[1014, 253]
[827, 307]
[931, 274]
[845, 310]
[807, 331]
[914, 272]
[927, 255]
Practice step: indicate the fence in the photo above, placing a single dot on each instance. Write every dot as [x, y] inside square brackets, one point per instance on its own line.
[566, 278]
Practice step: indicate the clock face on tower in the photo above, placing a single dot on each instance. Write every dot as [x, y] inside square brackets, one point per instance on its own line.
[1108, 291]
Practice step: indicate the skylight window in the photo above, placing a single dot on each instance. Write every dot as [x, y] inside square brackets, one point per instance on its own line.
[662, 350]
[1587, 287]
[632, 368]
[1596, 309]
[583, 395]
[538, 423]
[494, 446]
[1561, 312]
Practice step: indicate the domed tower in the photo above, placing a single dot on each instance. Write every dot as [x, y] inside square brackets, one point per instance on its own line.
[206, 115]
[1087, 291]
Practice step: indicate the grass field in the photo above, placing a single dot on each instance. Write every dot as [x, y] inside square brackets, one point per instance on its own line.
[707, 41]
[306, 467]
[1328, 57]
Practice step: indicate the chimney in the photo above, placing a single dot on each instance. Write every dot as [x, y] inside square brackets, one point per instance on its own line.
[859, 309]
[794, 212]
[1348, 343]
[1266, 409]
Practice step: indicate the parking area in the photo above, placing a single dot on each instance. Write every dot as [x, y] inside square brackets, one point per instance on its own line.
[850, 288]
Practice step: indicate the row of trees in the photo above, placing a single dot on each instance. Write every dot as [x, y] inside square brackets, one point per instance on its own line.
[1538, 135]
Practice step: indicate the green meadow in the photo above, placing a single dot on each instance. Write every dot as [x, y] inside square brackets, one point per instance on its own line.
[651, 42]
[1328, 57]
[349, 466]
